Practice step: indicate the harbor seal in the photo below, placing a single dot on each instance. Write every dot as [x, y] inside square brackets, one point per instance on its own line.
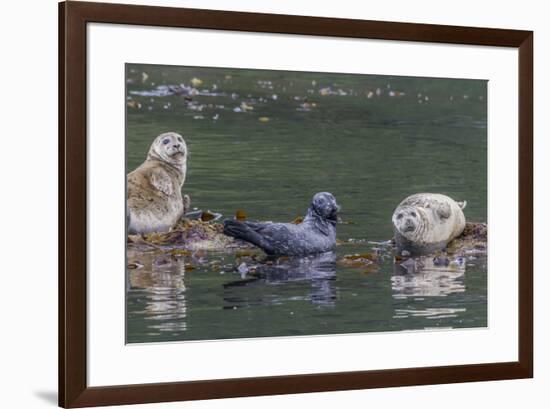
[316, 234]
[154, 198]
[427, 222]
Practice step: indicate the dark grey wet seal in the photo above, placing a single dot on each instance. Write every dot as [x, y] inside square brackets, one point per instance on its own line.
[316, 234]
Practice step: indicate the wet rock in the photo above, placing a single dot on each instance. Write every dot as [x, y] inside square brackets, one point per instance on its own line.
[473, 240]
[186, 235]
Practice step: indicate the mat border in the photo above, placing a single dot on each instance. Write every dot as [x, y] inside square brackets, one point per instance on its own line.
[73, 18]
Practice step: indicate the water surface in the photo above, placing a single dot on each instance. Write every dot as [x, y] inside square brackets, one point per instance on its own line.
[370, 140]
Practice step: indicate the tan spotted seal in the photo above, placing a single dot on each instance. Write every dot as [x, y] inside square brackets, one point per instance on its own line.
[427, 222]
[154, 198]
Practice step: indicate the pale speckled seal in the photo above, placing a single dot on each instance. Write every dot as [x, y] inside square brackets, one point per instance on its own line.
[154, 198]
[316, 233]
[427, 222]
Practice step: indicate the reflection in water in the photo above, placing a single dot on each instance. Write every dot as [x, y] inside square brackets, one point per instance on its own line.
[219, 296]
[422, 277]
[317, 272]
[428, 277]
[162, 291]
[430, 313]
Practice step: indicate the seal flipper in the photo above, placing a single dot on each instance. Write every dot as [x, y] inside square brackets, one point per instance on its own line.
[462, 204]
[254, 225]
[129, 230]
[162, 181]
[243, 231]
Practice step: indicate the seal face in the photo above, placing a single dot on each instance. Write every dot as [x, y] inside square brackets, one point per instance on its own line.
[154, 198]
[427, 222]
[316, 234]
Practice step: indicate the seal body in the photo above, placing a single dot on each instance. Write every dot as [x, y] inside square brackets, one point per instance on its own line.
[316, 234]
[154, 199]
[427, 222]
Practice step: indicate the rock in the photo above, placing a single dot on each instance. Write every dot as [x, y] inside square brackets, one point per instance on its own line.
[473, 240]
[187, 235]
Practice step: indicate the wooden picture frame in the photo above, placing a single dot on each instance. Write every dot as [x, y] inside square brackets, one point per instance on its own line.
[73, 388]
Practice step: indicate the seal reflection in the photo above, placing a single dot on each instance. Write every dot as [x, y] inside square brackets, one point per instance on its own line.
[426, 277]
[416, 279]
[316, 272]
[163, 295]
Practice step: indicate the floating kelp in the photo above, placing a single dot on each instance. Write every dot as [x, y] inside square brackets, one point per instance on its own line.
[298, 220]
[208, 216]
[196, 82]
[133, 104]
[244, 107]
[181, 90]
[329, 91]
[358, 260]
[265, 84]
[306, 106]
[240, 215]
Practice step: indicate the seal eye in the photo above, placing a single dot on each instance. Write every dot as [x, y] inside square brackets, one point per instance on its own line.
[400, 216]
[166, 141]
[413, 214]
[179, 139]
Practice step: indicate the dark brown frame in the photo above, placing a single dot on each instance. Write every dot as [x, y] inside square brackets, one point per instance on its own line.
[73, 389]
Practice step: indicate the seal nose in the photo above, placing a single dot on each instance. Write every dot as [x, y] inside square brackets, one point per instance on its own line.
[409, 225]
[177, 145]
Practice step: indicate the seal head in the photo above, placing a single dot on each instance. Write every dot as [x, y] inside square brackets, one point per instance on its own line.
[323, 211]
[170, 148]
[408, 221]
[324, 206]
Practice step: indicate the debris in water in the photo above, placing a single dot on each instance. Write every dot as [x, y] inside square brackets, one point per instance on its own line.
[196, 82]
[208, 216]
[243, 269]
[298, 220]
[358, 260]
[240, 215]
[133, 104]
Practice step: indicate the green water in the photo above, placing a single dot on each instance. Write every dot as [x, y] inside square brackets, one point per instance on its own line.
[413, 135]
